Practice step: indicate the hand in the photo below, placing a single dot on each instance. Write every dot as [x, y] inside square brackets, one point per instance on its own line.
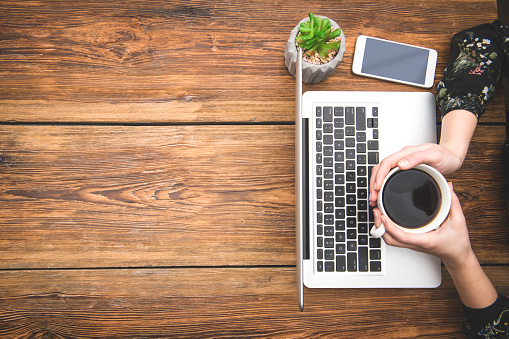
[450, 242]
[440, 157]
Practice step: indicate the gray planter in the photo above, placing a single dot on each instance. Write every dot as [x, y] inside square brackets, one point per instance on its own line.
[312, 73]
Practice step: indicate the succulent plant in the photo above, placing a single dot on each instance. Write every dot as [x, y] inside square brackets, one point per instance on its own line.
[316, 35]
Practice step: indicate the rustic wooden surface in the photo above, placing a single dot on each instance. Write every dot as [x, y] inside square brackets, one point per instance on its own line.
[147, 171]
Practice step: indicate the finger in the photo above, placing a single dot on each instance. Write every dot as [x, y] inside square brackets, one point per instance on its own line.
[373, 193]
[378, 229]
[456, 216]
[430, 156]
[402, 238]
[392, 161]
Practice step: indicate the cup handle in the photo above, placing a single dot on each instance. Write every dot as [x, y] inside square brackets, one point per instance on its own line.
[378, 232]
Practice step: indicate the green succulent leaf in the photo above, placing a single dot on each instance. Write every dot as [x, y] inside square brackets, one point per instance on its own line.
[330, 46]
[323, 54]
[311, 51]
[323, 25]
[335, 33]
[309, 44]
[305, 24]
[304, 29]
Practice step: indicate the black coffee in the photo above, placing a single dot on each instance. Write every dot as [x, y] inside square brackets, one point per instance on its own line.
[411, 198]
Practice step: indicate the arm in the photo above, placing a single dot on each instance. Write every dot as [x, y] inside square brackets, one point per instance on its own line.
[451, 244]
[458, 127]
[477, 62]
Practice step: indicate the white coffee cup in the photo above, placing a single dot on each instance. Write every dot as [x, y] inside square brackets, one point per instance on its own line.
[417, 200]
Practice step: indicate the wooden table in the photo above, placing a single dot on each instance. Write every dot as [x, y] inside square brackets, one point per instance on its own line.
[147, 170]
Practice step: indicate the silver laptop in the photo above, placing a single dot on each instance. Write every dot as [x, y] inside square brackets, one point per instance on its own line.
[340, 136]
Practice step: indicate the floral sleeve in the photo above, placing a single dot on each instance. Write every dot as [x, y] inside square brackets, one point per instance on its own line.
[479, 57]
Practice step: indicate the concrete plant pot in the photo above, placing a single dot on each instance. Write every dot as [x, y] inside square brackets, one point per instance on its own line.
[312, 73]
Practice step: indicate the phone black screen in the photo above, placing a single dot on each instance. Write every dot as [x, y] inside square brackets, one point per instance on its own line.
[395, 61]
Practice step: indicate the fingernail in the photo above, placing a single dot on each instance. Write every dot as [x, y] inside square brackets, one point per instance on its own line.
[375, 212]
[403, 163]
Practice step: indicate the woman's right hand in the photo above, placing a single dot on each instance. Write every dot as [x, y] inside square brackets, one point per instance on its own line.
[450, 242]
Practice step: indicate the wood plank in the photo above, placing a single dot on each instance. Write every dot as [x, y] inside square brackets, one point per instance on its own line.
[199, 61]
[103, 196]
[479, 185]
[118, 196]
[227, 302]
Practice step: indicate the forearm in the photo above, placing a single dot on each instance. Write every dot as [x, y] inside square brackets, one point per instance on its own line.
[458, 127]
[474, 287]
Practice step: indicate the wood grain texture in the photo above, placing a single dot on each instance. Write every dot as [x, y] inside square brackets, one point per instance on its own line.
[163, 196]
[224, 303]
[192, 61]
[112, 196]
[147, 171]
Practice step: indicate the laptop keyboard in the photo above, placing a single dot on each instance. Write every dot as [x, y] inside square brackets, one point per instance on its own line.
[346, 151]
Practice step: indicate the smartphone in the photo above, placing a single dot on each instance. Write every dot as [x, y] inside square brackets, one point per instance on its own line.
[394, 61]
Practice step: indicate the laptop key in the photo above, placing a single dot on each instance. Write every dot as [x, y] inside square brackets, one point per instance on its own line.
[374, 243]
[339, 202]
[329, 231]
[375, 254]
[340, 225]
[351, 233]
[363, 259]
[360, 118]
[373, 145]
[339, 145]
[350, 131]
[329, 255]
[340, 249]
[329, 243]
[361, 136]
[328, 139]
[340, 237]
[372, 158]
[375, 266]
[340, 263]
[351, 262]
[327, 114]
[329, 266]
[328, 219]
[327, 128]
[363, 240]
[339, 133]
[349, 116]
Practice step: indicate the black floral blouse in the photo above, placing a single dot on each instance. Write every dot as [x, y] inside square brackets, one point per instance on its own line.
[479, 59]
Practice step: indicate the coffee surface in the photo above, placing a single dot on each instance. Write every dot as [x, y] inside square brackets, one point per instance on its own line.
[411, 198]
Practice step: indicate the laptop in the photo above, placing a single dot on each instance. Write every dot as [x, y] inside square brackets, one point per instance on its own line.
[340, 136]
